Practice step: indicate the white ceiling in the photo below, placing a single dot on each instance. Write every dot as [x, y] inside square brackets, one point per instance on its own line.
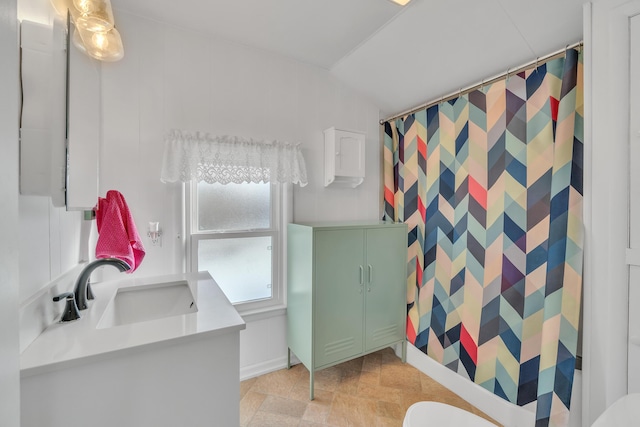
[398, 57]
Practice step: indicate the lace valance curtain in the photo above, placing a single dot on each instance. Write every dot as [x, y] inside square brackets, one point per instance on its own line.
[230, 159]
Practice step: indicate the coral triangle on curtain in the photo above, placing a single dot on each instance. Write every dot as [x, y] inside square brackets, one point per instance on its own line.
[490, 186]
[230, 159]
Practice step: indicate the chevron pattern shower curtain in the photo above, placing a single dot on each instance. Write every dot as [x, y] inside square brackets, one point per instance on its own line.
[490, 185]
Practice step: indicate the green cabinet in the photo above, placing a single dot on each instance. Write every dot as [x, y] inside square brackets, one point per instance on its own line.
[346, 291]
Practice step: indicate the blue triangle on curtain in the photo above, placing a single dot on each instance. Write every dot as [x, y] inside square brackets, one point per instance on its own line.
[467, 363]
[512, 342]
[499, 391]
[457, 282]
[576, 165]
[422, 340]
[411, 198]
[412, 236]
[543, 409]
[496, 162]
[528, 381]
[536, 258]
[447, 183]
[462, 138]
[535, 79]
[516, 169]
[564, 381]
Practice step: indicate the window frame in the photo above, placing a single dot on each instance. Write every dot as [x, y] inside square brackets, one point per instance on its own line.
[281, 208]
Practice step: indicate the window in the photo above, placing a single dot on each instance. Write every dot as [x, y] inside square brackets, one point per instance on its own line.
[236, 235]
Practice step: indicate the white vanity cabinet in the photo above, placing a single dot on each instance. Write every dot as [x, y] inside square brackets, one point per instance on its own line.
[179, 370]
[193, 383]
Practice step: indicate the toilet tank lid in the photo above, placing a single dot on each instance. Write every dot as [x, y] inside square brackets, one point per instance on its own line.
[442, 414]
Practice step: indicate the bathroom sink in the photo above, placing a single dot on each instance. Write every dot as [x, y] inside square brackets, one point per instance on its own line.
[141, 303]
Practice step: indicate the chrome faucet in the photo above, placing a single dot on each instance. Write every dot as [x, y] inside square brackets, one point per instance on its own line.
[83, 289]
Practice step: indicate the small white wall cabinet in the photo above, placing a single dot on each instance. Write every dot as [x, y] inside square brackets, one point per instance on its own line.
[43, 124]
[343, 157]
[60, 122]
[347, 291]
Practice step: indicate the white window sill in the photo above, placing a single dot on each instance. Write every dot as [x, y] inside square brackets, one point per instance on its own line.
[262, 313]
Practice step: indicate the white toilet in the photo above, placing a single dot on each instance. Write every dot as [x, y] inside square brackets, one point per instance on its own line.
[436, 414]
[624, 412]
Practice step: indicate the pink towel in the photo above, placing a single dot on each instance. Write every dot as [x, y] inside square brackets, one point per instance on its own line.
[118, 236]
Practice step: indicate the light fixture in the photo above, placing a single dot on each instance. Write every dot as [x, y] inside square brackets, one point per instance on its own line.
[95, 33]
[401, 2]
[77, 41]
[95, 15]
[102, 45]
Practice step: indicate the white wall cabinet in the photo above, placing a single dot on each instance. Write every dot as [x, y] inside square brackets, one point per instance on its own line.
[43, 118]
[60, 121]
[343, 157]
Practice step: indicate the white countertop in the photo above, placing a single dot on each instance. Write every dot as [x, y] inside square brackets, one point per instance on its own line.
[63, 345]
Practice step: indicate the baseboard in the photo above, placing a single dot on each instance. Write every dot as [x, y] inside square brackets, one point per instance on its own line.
[497, 408]
[257, 369]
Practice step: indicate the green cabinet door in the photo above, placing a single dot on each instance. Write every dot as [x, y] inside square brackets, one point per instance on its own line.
[338, 295]
[386, 291]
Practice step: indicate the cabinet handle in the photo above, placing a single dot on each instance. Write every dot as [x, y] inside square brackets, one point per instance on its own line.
[361, 275]
[370, 273]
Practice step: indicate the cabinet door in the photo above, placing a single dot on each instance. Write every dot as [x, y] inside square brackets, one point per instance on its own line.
[349, 152]
[339, 304]
[386, 284]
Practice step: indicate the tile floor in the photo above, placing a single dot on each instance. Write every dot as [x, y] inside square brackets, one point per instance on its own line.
[371, 391]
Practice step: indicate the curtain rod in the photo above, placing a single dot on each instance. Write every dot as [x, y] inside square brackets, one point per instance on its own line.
[468, 89]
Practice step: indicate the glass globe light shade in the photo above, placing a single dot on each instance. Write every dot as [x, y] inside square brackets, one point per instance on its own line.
[85, 6]
[77, 41]
[94, 15]
[102, 45]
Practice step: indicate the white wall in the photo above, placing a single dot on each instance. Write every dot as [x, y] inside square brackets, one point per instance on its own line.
[49, 243]
[606, 310]
[176, 79]
[9, 275]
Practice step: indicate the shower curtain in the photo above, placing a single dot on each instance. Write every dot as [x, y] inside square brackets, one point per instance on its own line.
[490, 185]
